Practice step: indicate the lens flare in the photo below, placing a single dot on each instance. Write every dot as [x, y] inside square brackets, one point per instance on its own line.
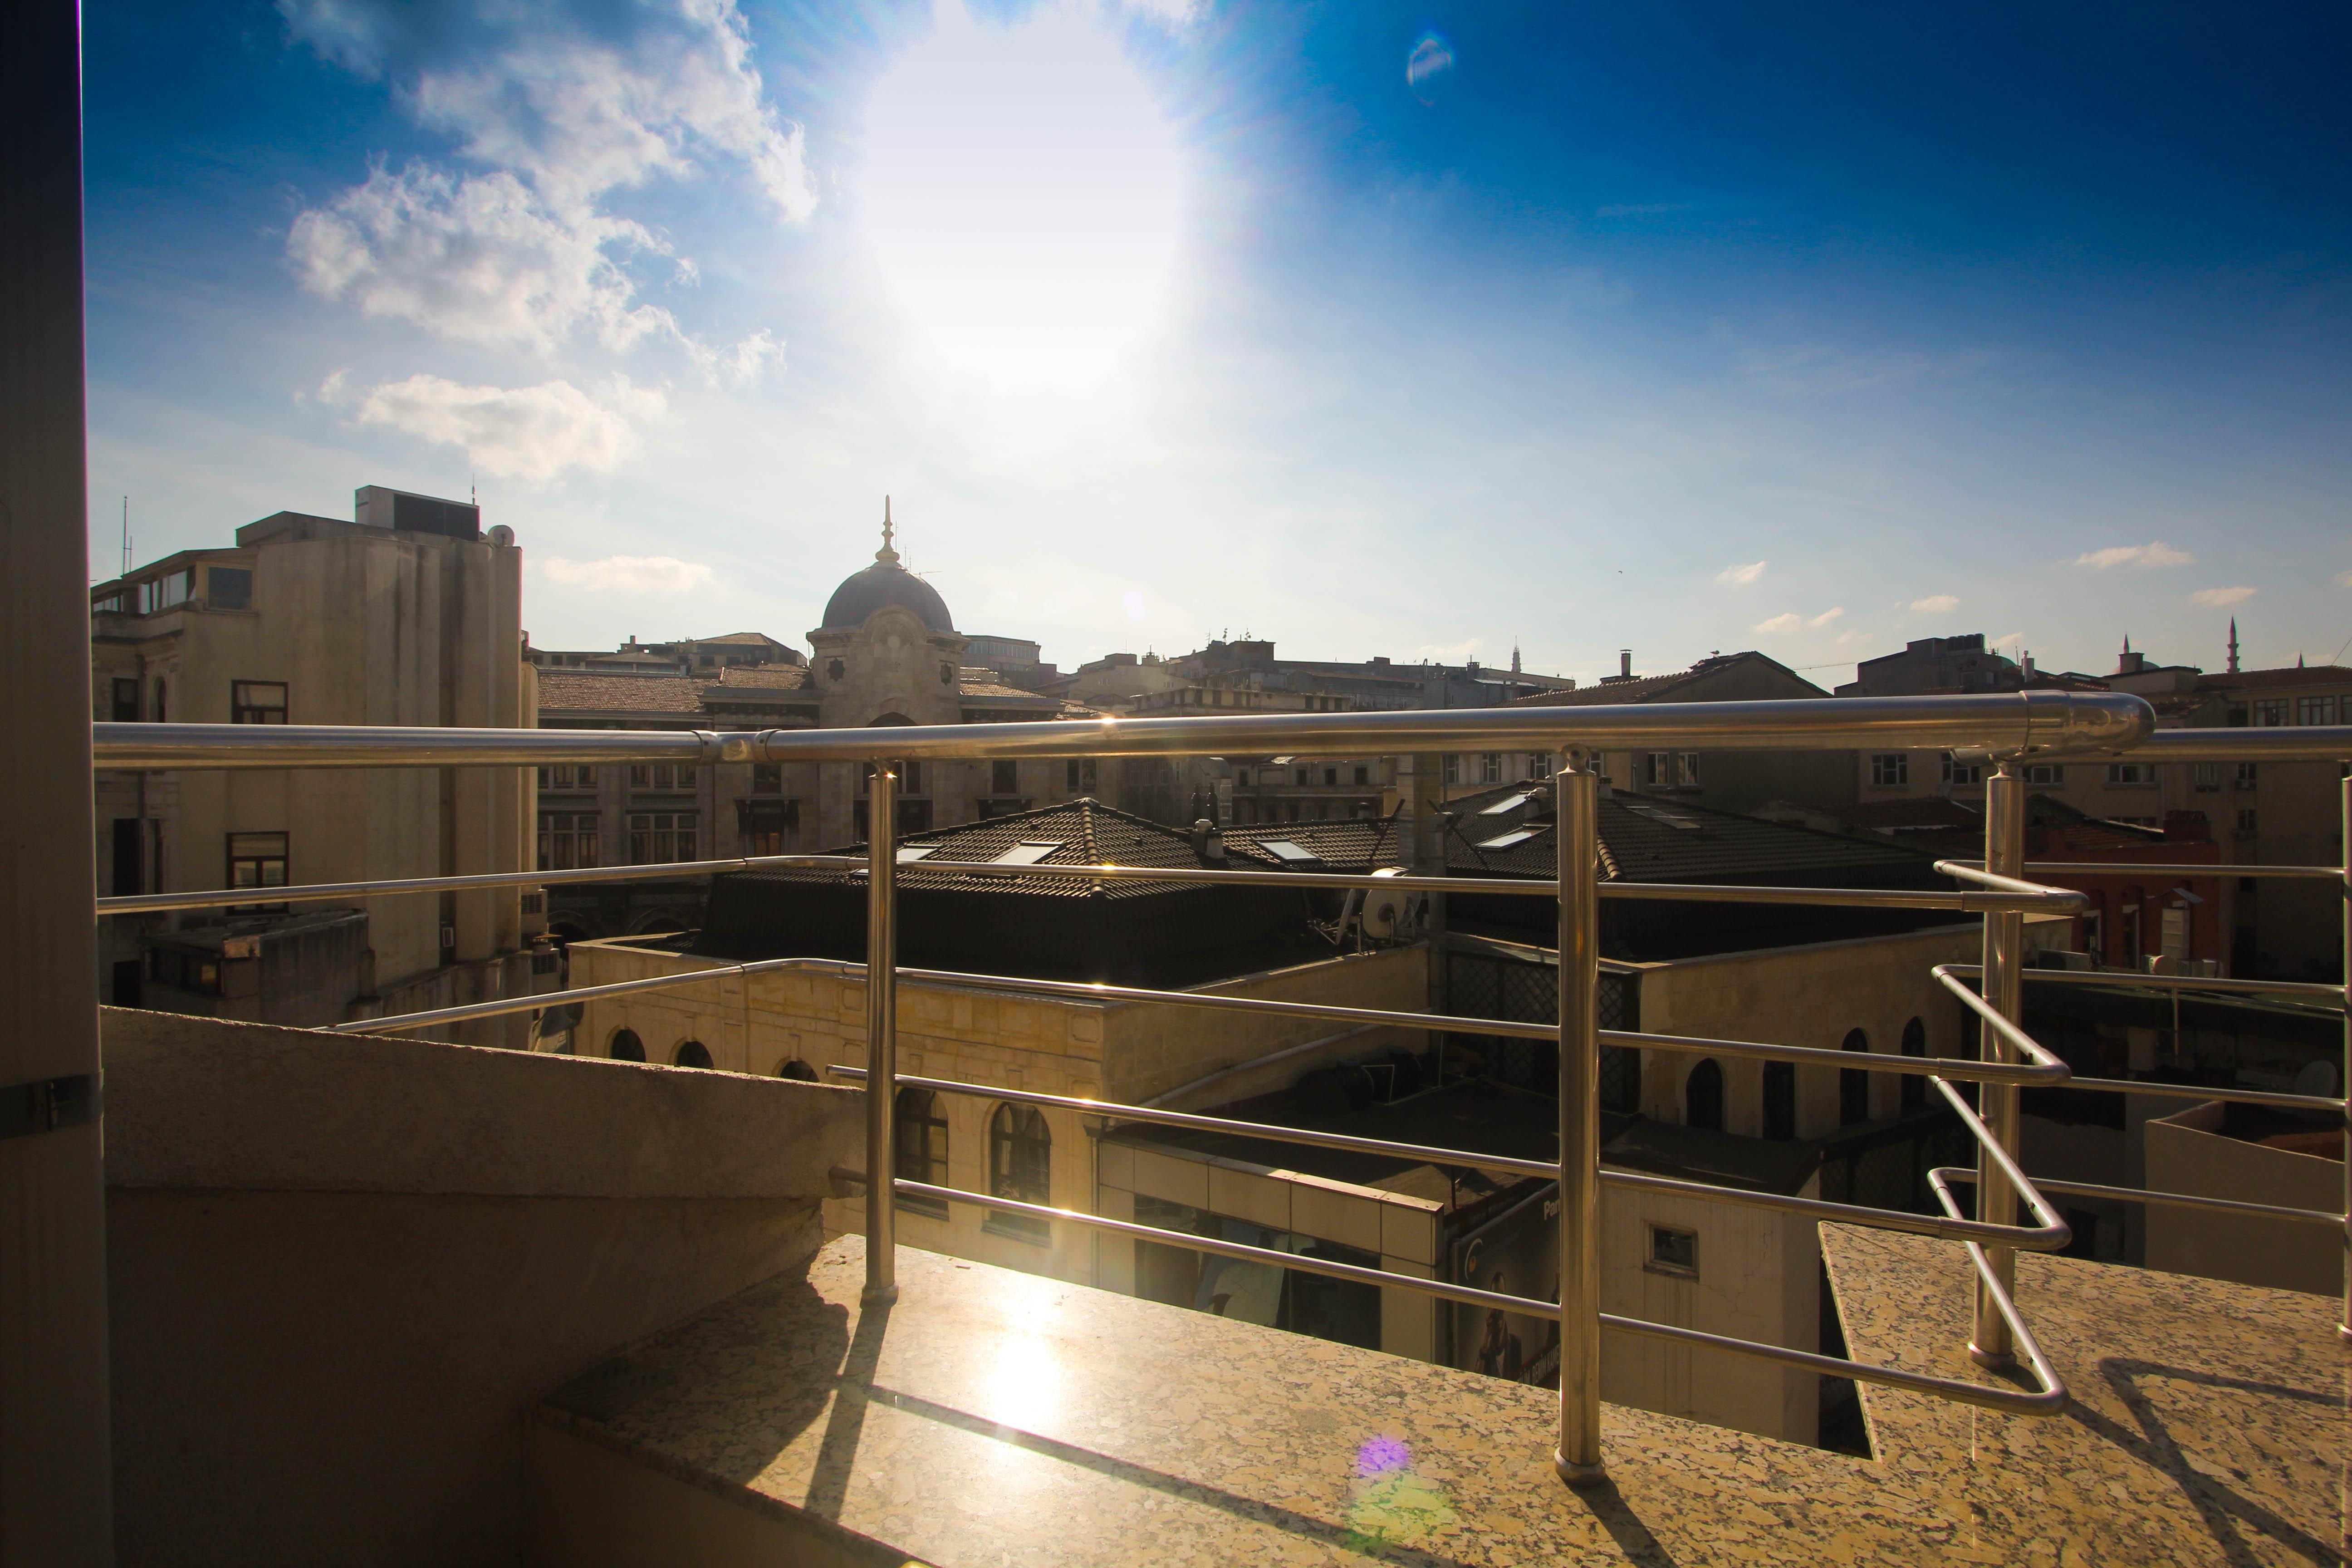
[1429, 70]
[1023, 194]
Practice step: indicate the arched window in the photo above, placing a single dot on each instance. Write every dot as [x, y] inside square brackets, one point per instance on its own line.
[1020, 1166]
[692, 1054]
[1853, 1083]
[798, 1070]
[922, 1144]
[626, 1047]
[1915, 1044]
[1779, 1099]
[1702, 1096]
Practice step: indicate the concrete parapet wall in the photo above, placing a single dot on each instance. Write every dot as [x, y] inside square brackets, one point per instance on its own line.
[343, 1268]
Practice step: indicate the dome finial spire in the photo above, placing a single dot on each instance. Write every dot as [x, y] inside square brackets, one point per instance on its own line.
[886, 553]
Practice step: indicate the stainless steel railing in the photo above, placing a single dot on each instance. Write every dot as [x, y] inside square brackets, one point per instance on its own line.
[2008, 727]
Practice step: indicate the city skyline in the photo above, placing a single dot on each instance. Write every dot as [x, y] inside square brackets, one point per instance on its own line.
[1374, 331]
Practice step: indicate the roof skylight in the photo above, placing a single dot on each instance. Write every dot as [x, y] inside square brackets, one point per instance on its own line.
[916, 852]
[1505, 806]
[1284, 849]
[1028, 852]
[1515, 836]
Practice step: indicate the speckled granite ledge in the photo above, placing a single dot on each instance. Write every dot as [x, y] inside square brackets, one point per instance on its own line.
[994, 1417]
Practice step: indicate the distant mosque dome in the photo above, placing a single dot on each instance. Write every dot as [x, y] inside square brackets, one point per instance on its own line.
[882, 585]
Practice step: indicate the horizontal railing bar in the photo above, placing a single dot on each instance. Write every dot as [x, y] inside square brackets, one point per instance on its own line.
[2016, 1402]
[1544, 1170]
[2039, 721]
[2048, 1238]
[2136, 869]
[2308, 990]
[2032, 894]
[2169, 1200]
[508, 1005]
[2044, 1071]
[1855, 897]
[2323, 1103]
[311, 892]
[2270, 744]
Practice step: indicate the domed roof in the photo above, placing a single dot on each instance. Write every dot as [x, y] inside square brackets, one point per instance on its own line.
[882, 585]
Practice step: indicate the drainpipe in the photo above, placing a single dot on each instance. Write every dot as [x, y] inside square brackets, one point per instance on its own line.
[56, 1463]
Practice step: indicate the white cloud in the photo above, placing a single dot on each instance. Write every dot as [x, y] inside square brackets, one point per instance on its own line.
[1826, 617]
[524, 254]
[2344, 579]
[1174, 13]
[1935, 605]
[478, 260]
[1785, 622]
[629, 573]
[2155, 553]
[1748, 574]
[528, 433]
[2218, 597]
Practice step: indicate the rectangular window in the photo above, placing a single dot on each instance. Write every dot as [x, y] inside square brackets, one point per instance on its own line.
[2131, 773]
[256, 861]
[1003, 778]
[257, 702]
[1960, 773]
[2044, 773]
[766, 825]
[2315, 711]
[2247, 774]
[568, 775]
[130, 835]
[662, 776]
[1888, 769]
[1686, 770]
[2270, 710]
[2207, 777]
[228, 587]
[162, 593]
[767, 778]
[1539, 765]
[1672, 1250]
[1331, 777]
[659, 837]
[126, 700]
[567, 840]
[1363, 776]
[2246, 820]
[1453, 768]
[1490, 767]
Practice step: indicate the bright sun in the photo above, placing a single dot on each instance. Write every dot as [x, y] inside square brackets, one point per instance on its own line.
[1022, 194]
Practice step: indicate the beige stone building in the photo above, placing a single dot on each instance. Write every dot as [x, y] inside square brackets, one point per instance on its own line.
[405, 613]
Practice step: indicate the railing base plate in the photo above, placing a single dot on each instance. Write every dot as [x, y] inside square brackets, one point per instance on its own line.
[877, 1295]
[1578, 1475]
[1993, 1361]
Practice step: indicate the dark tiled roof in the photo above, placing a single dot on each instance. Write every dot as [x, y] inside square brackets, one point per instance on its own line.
[779, 677]
[971, 688]
[1655, 687]
[1090, 832]
[592, 691]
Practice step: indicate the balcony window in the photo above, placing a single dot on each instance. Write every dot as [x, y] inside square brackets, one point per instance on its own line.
[1890, 769]
[1020, 1167]
[257, 702]
[658, 838]
[567, 840]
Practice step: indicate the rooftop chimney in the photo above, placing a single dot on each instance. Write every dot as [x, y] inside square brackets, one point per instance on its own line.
[1207, 842]
[1624, 664]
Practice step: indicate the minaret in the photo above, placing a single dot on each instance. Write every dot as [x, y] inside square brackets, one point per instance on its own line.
[2233, 644]
[886, 553]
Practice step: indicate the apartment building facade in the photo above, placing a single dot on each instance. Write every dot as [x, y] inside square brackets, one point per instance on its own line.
[405, 613]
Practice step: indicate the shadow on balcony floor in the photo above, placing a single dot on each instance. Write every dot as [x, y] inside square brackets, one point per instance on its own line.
[999, 1417]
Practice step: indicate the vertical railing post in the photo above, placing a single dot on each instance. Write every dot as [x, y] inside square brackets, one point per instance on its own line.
[2004, 986]
[2344, 1078]
[881, 1033]
[1576, 800]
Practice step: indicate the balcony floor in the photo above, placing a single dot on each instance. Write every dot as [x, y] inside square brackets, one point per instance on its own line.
[996, 1417]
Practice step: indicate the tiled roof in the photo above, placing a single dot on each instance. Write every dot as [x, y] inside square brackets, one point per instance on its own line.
[1651, 687]
[1089, 832]
[753, 640]
[994, 688]
[779, 677]
[593, 691]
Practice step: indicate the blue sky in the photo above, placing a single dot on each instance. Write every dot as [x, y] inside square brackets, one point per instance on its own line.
[1371, 329]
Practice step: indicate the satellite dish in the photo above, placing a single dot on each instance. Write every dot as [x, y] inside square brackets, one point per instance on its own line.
[502, 536]
[2316, 1079]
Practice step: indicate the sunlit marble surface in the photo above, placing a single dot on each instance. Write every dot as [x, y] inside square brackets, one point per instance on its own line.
[994, 1417]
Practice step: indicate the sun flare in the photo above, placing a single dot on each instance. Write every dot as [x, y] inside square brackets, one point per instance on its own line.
[1022, 194]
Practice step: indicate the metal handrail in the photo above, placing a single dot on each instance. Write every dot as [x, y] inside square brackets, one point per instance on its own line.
[2041, 723]
[2148, 868]
[2269, 743]
[2020, 895]
[2049, 1236]
[2164, 1199]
